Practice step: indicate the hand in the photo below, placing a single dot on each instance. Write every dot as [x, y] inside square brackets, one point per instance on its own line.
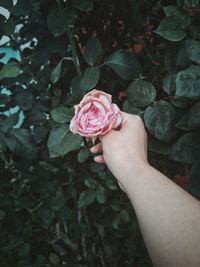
[123, 149]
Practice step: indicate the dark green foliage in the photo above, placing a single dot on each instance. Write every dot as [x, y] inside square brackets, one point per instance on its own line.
[160, 119]
[124, 64]
[90, 78]
[141, 93]
[10, 70]
[58, 207]
[93, 51]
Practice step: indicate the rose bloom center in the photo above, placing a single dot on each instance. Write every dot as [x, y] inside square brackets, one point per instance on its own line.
[96, 115]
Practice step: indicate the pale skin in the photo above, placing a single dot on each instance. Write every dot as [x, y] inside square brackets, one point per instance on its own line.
[168, 216]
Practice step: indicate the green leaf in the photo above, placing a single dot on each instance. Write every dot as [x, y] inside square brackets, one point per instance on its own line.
[188, 82]
[101, 196]
[55, 23]
[10, 70]
[59, 20]
[178, 13]
[22, 8]
[91, 183]
[169, 83]
[76, 89]
[179, 102]
[124, 64]
[24, 100]
[62, 114]
[58, 201]
[170, 58]
[103, 175]
[4, 99]
[192, 3]
[194, 31]
[160, 119]
[24, 250]
[193, 118]
[127, 107]
[90, 78]
[54, 259]
[124, 216]
[21, 144]
[158, 147]
[121, 218]
[111, 184]
[170, 28]
[23, 203]
[40, 260]
[39, 133]
[193, 50]
[6, 4]
[9, 27]
[183, 123]
[83, 154]
[46, 215]
[141, 93]
[2, 215]
[55, 74]
[194, 180]
[57, 92]
[37, 114]
[9, 122]
[84, 5]
[86, 198]
[187, 148]
[96, 167]
[61, 141]
[2, 143]
[175, 58]
[93, 51]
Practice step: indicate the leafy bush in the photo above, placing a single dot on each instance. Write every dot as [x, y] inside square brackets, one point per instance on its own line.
[58, 207]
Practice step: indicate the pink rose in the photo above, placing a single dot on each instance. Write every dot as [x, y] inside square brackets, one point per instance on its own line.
[95, 115]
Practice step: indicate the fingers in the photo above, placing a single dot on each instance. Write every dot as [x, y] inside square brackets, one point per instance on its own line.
[97, 148]
[99, 159]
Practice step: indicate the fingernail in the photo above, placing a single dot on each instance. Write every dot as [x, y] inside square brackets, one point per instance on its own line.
[97, 159]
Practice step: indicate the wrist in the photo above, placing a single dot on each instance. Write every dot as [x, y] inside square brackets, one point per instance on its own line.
[132, 172]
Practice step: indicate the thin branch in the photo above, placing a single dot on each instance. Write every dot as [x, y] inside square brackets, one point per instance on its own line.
[74, 54]
[8, 166]
[72, 41]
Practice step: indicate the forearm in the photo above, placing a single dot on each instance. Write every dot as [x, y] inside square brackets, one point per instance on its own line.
[168, 216]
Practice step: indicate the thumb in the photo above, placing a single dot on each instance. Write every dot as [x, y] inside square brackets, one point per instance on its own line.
[113, 132]
[129, 120]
